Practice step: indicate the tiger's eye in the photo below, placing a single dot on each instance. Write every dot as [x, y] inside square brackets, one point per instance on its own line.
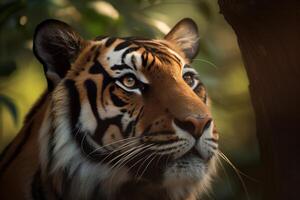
[189, 79]
[128, 81]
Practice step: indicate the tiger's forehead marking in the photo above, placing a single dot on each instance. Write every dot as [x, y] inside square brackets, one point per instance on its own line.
[121, 56]
[150, 45]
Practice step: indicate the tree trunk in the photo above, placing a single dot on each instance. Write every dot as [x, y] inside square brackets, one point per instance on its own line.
[268, 33]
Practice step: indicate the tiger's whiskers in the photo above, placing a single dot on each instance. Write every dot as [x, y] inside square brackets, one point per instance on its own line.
[129, 140]
[238, 173]
[207, 62]
[224, 170]
[120, 155]
[154, 156]
[129, 155]
[135, 154]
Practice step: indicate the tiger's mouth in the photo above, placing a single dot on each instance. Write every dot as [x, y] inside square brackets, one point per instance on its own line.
[193, 152]
[203, 146]
[194, 165]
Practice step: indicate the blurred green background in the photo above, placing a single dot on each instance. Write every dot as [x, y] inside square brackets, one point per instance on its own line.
[219, 64]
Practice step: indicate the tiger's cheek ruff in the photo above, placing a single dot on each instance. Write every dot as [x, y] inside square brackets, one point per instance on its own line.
[61, 154]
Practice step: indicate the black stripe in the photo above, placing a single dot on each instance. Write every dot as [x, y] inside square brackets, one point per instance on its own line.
[115, 99]
[129, 50]
[138, 117]
[92, 96]
[123, 45]
[152, 63]
[17, 151]
[131, 112]
[176, 58]
[95, 69]
[97, 52]
[110, 41]
[144, 58]
[146, 130]
[37, 190]
[50, 84]
[164, 59]
[133, 62]
[129, 128]
[123, 110]
[98, 68]
[173, 57]
[74, 99]
[120, 67]
[93, 47]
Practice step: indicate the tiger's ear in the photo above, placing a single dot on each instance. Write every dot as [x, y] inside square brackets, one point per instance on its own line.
[56, 45]
[185, 36]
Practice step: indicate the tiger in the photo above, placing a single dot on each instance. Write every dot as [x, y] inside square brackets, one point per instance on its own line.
[122, 118]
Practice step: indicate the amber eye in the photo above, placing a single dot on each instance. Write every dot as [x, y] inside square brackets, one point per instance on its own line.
[189, 79]
[129, 81]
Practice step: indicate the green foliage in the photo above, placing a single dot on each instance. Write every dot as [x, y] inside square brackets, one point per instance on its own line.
[8, 103]
[7, 68]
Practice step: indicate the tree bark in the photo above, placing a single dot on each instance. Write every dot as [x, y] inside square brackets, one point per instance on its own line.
[268, 34]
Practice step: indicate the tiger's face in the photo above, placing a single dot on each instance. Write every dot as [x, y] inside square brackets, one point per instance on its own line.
[132, 103]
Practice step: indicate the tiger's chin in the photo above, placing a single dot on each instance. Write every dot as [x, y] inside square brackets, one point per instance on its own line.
[189, 176]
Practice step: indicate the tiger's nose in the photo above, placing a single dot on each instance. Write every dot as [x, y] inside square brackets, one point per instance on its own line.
[195, 125]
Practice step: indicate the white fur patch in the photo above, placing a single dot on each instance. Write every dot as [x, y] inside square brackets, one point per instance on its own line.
[87, 116]
[115, 57]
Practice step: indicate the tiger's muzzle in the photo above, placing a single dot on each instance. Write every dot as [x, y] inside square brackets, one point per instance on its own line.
[204, 132]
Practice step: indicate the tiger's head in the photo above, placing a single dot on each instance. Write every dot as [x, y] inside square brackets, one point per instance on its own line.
[132, 111]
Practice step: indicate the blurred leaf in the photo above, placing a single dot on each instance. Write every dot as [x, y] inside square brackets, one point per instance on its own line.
[8, 9]
[205, 9]
[10, 105]
[152, 1]
[7, 68]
